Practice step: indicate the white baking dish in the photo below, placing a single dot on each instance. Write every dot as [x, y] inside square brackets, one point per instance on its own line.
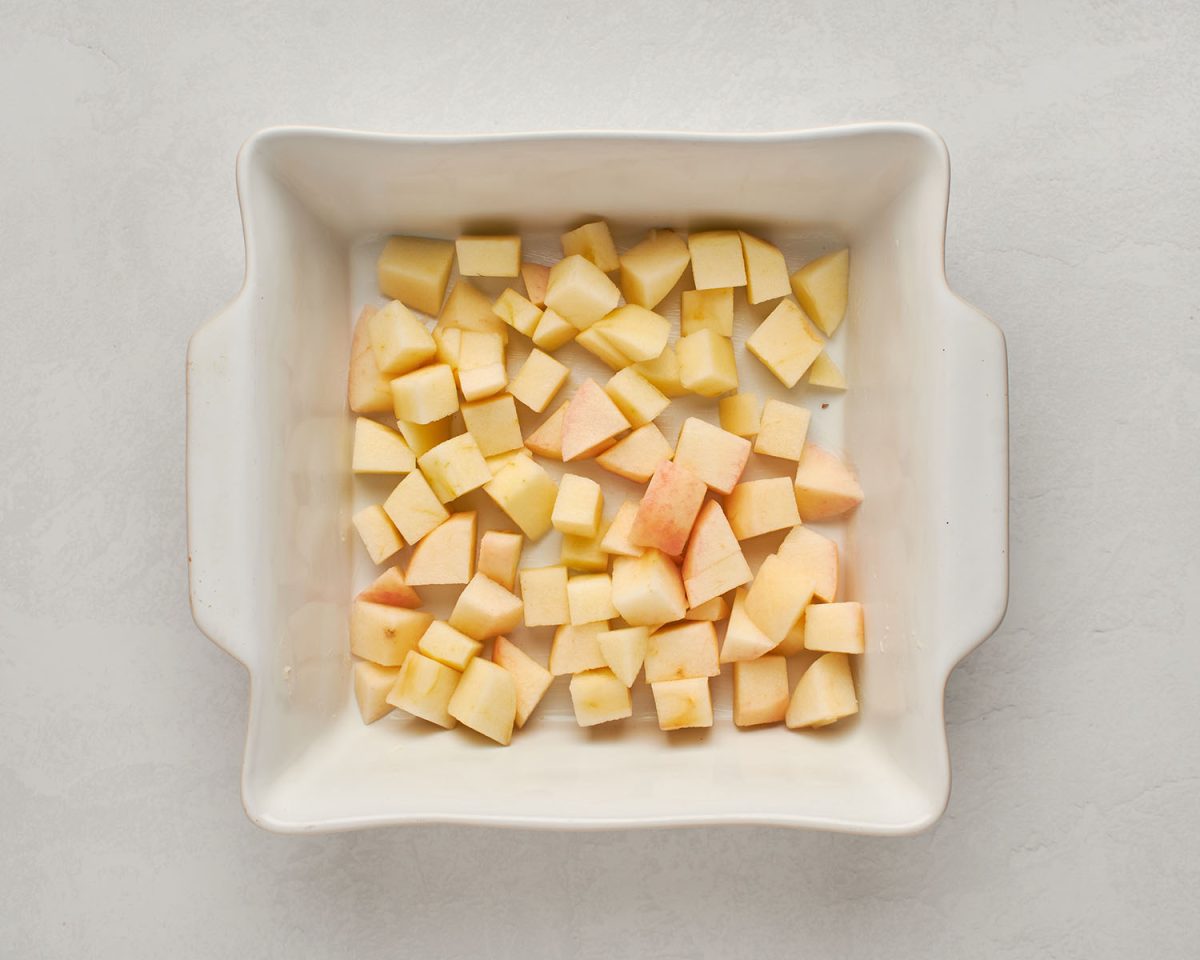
[273, 560]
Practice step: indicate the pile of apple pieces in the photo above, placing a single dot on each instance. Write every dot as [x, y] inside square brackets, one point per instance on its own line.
[664, 565]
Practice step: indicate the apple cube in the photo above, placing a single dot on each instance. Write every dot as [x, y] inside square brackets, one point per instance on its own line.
[499, 555]
[517, 312]
[538, 380]
[760, 506]
[389, 588]
[760, 691]
[825, 487]
[489, 256]
[485, 609]
[589, 598]
[743, 639]
[647, 590]
[663, 372]
[638, 455]
[372, 684]
[594, 242]
[367, 390]
[449, 345]
[818, 556]
[712, 541]
[793, 643]
[425, 395]
[824, 694]
[638, 333]
[682, 650]
[377, 532]
[720, 578]
[706, 310]
[546, 440]
[399, 340]
[825, 373]
[494, 425]
[576, 648]
[553, 331]
[441, 642]
[786, 343]
[544, 593]
[651, 269]
[530, 678]
[469, 308]
[580, 291]
[446, 554]
[480, 382]
[455, 467]
[766, 270]
[499, 461]
[525, 492]
[834, 627]
[784, 427]
[584, 553]
[423, 437]
[486, 700]
[594, 342]
[535, 277]
[714, 455]
[599, 696]
[712, 611]
[578, 507]
[384, 634]
[479, 349]
[741, 414]
[706, 364]
[683, 703]
[822, 287]
[592, 421]
[624, 651]
[717, 259]
[636, 397]
[777, 597]
[668, 510]
[616, 538]
[425, 688]
[415, 271]
[414, 508]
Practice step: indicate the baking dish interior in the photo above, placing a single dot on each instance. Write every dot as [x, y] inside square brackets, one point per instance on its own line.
[317, 205]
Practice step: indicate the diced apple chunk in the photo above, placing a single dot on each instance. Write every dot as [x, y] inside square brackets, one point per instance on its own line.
[638, 333]
[714, 563]
[636, 397]
[553, 331]
[786, 343]
[538, 380]
[793, 643]
[425, 395]
[784, 427]
[414, 508]
[389, 588]
[825, 373]
[489, 256]
[651, 269]
[377, 532]
[485, 609]
[499, 556]
[681, 704]
[616, 539]
[480, 382]
[766, 270]
[384, 634]
[449, 345]
[818, 556]
[591, 422]
[638, 455]
[717, 259]
[713, 611]
[589, 598]
[580, 291]
[499, 461]
[760, 691]
[594, 342]
[834, 627]
[441, 642]
[468, 308]
[525, 492]
[372, 684]
[494, 424]
[399, 340]
[706, 310]
[415, 271]
[822, 286]
[577, 648]
[517, 312]
[486, 700]
[648, 590]
[825, 487]
[663, 372]
[446, 554]
[367, 390]
[760, 506]
[741, 414]
[668, 509]
[584, 553]
[455, 467]
[425, 689]
[578, 507]
[743, 639]
[544, 594]
[714, 455]
[535, 277]
[706, 364]
[423, 437]
[481, 364]
[777, 597]
[599, 696]
[594, 242]
[546, 440]
[624, 651]
[530, 678]
[682, 650]
[824, 694]
[720, 578]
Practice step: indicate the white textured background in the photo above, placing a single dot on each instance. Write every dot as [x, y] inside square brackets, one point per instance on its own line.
[1075, 731]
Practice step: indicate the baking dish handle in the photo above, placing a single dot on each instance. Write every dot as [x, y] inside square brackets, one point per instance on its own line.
[974, 567]
[219, 500]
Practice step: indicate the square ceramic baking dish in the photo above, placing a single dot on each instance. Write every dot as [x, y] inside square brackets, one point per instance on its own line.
[274, 562]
